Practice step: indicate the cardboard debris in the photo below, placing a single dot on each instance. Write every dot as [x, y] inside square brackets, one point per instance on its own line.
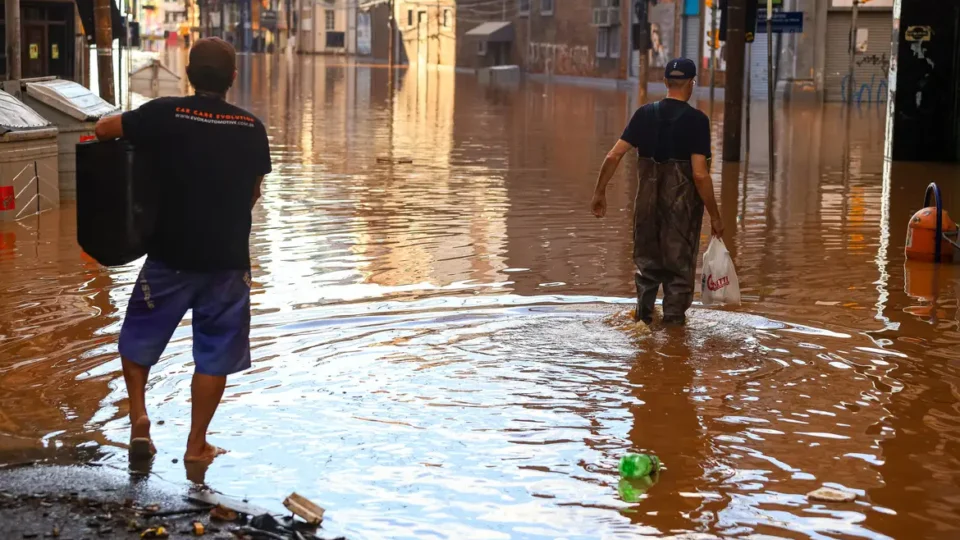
[303, 507]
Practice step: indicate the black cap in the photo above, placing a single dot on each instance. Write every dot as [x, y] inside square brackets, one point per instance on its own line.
[680, 68]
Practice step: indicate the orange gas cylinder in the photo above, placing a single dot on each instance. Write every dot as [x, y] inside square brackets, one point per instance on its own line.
[922, 232]
[931, 234]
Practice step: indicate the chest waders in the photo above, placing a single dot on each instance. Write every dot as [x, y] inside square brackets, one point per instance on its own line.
[666, 230]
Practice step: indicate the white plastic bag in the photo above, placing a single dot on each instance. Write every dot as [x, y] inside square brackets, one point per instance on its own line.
[719, 282]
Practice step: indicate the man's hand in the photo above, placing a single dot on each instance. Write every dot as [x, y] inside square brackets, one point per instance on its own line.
[109, 128]
[599, 205]
[717, 225]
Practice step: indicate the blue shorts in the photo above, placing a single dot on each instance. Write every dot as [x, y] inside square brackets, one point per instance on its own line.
[221, 317]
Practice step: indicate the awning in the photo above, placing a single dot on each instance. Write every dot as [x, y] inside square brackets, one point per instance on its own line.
[493, 32]
[85, 8]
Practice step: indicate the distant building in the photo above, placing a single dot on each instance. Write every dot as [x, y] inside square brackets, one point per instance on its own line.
[328, 27]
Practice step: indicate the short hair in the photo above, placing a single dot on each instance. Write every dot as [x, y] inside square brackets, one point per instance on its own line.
[676, 83]
[208, 79]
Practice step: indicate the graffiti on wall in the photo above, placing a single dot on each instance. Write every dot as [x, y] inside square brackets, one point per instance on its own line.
[561, 59]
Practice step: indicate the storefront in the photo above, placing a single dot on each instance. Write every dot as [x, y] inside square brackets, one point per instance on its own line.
[47, 33]
[873, 48]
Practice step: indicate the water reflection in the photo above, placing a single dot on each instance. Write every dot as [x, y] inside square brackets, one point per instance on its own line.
[431, 356]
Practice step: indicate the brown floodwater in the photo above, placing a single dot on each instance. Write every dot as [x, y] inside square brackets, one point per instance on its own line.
[432, 357]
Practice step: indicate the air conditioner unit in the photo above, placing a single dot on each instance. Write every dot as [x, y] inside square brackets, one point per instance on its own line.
[601, 17]
[613, 16]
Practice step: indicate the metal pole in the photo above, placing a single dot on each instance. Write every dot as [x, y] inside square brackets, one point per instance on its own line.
[392, 23]
[733, 88]
[677, 29]
[12, 14]
[749, 85]
[853, 49]
[105, 50]
[643, 71]
[503, 10]
[703, 33]
[713, 49]
[770, 82]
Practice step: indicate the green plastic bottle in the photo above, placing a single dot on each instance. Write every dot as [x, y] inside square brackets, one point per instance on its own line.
[634, 466]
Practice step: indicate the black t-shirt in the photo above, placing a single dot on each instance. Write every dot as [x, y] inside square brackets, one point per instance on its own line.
[209, 155]
[684, 130]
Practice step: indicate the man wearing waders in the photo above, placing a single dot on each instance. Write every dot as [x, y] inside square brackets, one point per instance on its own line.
[673, 146]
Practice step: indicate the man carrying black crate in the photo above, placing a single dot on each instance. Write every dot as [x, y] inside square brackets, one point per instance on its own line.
[212, 157]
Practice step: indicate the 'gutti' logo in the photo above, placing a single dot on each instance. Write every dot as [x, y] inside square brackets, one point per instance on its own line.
[717, 284]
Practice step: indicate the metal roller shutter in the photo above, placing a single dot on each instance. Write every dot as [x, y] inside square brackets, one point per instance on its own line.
[870, 73]
[758, 66]
[691, 30]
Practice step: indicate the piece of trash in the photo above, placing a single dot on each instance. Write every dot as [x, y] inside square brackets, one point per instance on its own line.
[133, 526]
[152, 508]
[105, 530]
[826, 494]
[157, 532]
[305, 508]
[266, 522]
[222, 513]
[214, 499]
[175, 460]
[161, 422]
[55, 533]
[634, 466]
[198, 529]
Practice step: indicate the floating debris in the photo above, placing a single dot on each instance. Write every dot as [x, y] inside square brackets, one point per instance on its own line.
[158, 532]
[303, 507]
[222, 513]
[826, 494]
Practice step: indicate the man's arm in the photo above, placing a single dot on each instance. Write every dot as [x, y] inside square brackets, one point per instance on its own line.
[701, 177]
[257, 192]
[109, 128]
[607, 170]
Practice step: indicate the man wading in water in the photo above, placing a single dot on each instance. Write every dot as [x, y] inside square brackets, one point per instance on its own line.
[673, 145]
[211, 158]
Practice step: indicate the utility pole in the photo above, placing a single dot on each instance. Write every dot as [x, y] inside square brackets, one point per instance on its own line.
[733, 89]
[853, 49]
[643, 73]
[12, 16]
[713, 49]
[770, 91]
[503, 10]
[104, 50]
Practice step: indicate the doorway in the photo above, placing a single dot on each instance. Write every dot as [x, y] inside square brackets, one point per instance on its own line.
[34, 53]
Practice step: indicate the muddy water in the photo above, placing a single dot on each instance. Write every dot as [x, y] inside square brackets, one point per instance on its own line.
[431, 351]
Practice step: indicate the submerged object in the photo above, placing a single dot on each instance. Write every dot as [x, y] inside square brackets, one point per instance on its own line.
[931, 234]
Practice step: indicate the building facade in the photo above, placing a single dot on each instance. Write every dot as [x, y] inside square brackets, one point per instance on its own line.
[327, 27]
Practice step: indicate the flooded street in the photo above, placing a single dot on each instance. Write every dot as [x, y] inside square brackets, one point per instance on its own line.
[432, 351]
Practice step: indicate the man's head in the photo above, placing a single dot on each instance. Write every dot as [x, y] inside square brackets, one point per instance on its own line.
[213, 66]
[679, 75]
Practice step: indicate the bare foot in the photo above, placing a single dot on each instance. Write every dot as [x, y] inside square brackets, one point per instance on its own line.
[140, 444]
[205, 455]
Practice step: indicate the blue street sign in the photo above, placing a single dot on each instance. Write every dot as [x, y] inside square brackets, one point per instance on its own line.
[784, 22]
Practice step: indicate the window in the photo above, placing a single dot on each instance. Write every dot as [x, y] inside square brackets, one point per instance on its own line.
[482, 48]
[523, 7]
[613, 45]
[446, 18]
[421, 17]
[603, 37]
[331, 20]
[409, 17]
[608, 42]
[546, 7]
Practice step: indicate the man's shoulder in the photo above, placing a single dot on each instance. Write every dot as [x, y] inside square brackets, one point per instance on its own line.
[698, 114]
[230, 108]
